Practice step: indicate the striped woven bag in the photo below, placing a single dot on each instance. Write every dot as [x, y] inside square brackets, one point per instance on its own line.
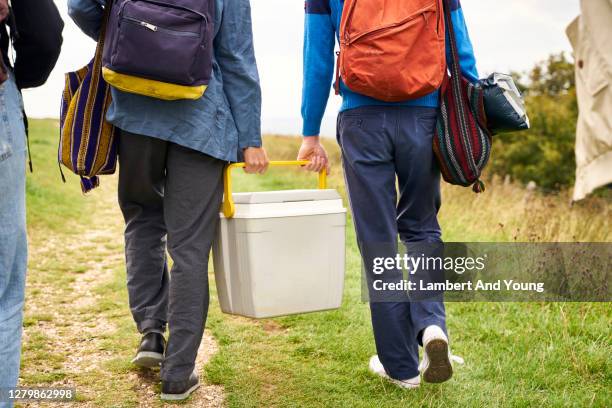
[88, 143]
[462, 143]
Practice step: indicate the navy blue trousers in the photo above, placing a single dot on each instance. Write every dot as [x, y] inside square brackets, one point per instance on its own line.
[393, 185]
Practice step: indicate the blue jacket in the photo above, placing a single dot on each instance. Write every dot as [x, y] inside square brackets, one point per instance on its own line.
[226, 119]
[321, 32]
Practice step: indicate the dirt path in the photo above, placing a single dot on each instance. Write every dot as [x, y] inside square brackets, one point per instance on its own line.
[78, 330]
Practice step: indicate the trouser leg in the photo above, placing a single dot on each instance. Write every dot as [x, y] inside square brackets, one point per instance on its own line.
[142, 174]
[13, 264]
[366, 136]
[419, 202]
[194, 189]
[13, 240]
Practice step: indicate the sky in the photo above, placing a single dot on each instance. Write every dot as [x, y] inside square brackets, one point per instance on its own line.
[507, 36]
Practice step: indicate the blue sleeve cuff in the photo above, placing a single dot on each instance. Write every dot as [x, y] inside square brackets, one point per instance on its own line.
[311, 129]
[254, 142]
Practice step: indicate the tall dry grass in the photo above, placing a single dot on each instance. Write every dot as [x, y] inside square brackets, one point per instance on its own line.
[506, 211]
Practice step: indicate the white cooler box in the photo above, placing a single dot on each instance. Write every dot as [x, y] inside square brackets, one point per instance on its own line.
[282, 253]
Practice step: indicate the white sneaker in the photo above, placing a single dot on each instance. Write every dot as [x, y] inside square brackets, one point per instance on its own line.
[377, 368]
[436, 365]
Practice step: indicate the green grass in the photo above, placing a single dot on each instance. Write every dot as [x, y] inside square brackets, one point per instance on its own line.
[517, 354]
[51, 203]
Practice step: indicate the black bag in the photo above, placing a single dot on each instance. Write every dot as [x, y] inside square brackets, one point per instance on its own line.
[504, 105]
[36, 34]
[37, 39]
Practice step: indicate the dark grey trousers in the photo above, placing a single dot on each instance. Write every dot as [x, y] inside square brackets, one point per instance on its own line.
[169, 192]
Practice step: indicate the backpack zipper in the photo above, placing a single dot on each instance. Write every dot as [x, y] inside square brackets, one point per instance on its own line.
[413, 17]
[154, 28]
[148, 25]
[162, 4]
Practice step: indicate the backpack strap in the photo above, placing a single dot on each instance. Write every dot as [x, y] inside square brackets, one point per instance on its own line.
[97, 65]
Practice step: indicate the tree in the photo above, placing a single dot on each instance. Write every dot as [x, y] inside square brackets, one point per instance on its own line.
[545, 153]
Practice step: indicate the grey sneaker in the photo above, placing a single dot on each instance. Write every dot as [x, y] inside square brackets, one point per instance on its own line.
[180, 390]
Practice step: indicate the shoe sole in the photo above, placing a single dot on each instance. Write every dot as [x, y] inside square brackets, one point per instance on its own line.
[439, 368]
[148, 359]
[180, 397]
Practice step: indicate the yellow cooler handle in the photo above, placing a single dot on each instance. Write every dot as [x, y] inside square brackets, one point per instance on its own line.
[228, 206]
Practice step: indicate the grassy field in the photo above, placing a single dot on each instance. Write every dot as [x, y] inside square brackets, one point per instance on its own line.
[79, 331]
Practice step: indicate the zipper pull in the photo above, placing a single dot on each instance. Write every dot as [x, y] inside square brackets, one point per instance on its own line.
[148, 25]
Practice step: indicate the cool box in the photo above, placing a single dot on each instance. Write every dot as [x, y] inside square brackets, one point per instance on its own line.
[281, 252]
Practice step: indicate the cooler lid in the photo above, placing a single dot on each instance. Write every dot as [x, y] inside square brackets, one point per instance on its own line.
[284, 196]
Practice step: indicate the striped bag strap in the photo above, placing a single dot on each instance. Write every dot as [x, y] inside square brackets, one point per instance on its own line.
[455, 81]
[97, 65]
[462, 100]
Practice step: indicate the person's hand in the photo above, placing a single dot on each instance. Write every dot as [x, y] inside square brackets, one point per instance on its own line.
[313, 151]
[4, 9]
[256, 160]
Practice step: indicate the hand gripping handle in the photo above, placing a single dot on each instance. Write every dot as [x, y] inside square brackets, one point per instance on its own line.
[228, 206]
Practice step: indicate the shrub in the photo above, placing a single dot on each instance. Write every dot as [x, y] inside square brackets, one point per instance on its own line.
[545, 153]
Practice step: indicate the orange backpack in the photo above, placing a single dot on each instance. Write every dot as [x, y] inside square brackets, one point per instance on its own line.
[392, 50]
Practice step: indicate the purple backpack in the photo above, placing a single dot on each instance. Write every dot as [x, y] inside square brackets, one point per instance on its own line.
[160, 48]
